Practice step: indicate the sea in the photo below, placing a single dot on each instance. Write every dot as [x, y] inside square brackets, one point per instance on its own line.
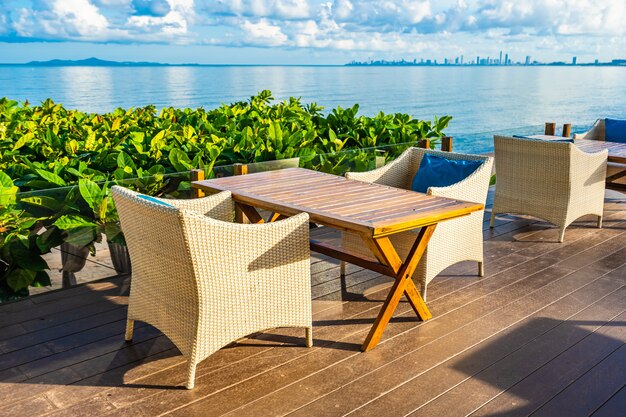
[482, 100]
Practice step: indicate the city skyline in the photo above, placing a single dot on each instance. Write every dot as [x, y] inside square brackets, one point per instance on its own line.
[308, 31]
[502, 60]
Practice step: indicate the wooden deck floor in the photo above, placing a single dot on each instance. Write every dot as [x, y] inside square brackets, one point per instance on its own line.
[542, 334]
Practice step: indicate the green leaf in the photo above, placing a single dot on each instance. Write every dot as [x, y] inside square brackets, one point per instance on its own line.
[82, 236]
[69, 222]
[179, 160]
[91, 193]
[27, 259]
[124, 161]
[20, 278]
[42, 279]
[8, 191]
[51, 177]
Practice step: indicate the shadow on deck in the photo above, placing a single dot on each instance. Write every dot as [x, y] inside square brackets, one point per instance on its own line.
[542, 334]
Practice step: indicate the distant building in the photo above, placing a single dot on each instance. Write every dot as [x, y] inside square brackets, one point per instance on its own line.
[527, 60]
[506, 59]
[595, 62]
[500, 60]
[574, 61]
[478, 60]
[461, 59]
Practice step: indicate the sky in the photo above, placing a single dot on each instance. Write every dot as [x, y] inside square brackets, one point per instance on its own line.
[310, 31]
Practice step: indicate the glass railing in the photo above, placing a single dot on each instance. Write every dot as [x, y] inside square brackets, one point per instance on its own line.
[56, 237]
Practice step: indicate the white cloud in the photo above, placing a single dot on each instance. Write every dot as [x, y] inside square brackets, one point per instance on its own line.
[283, 9]
[381, 26]
[174, 24]
[71, 19]
[263, 33]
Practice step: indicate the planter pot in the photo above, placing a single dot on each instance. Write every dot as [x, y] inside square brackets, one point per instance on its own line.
[120, 258]
[73, 259]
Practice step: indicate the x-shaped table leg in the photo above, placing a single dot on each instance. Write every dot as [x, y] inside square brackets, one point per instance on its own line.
[386, 254]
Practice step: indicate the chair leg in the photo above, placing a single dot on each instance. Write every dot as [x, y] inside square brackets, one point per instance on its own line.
[562, 235]
[309, 336]
[130, 326]
[599, 222]
[191, 375]
[492, 220]
[481, 269]
[342, 269]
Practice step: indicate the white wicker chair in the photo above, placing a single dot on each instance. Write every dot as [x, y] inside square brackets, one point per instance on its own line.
[597, 132]
[454, 240]
[205, 281]
[554, 181]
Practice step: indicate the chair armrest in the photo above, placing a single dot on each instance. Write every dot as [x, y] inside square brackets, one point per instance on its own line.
[474, 188]
[218, 206]
[588, 168]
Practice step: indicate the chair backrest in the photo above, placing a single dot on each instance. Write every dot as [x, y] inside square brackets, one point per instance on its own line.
[532, 167]
[156, 243]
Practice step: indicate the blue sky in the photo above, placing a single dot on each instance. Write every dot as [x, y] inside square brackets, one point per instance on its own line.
[310, 31]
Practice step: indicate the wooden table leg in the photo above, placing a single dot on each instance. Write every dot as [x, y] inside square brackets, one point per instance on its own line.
[403, 285]
[250, 212]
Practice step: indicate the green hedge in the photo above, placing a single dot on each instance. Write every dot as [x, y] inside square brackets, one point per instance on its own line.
[80, 154]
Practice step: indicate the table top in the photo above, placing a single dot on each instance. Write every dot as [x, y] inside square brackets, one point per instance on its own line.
[617, 151]
[373, 209]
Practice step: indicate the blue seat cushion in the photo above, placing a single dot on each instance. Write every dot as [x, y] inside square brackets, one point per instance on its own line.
[615, 130]
[154, 200]
[437, 171]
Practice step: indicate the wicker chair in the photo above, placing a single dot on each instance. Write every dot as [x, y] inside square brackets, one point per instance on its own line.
[554, 181]
[205, 281]
[454, 240]
[597, 132]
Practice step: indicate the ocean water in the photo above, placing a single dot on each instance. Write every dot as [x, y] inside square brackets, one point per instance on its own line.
[480, 99]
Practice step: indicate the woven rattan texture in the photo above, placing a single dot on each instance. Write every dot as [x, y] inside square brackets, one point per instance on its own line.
[554, 181]
[205, 281]
[454, 240]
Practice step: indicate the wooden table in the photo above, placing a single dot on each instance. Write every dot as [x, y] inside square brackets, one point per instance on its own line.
[617, 154]
[371, 210]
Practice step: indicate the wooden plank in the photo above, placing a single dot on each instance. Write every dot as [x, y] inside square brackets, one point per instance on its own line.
[614, 405]
[278, 385]
[542, 385]
[429, 376]
[351, 257]
[401, 224]
[309, 376]
[592, 390]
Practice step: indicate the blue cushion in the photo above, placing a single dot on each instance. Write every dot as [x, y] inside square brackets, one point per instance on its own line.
[154, 200]
[615, 130]
[437, 171]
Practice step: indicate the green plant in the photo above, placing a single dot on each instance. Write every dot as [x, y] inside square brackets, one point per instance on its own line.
[64, 161]
[21, 246]
[85, 225]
